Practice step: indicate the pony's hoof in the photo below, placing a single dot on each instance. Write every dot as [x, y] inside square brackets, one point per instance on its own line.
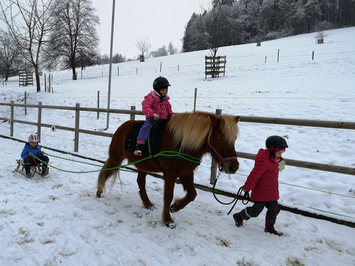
[171, 225]
[151, 208]
[172, 210]
[98, 195]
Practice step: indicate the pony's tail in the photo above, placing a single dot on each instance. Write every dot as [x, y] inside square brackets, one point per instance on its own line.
[104, 176]
[116, 174]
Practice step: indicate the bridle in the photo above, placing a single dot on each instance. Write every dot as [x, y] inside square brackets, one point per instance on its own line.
[245, 198]
[221, 159]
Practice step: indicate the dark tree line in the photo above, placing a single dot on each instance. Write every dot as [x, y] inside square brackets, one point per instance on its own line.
[229, 22]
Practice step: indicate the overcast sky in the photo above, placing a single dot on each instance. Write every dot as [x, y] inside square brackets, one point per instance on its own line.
[161, 21]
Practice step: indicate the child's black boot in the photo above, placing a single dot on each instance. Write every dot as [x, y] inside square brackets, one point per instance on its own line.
[139, 149]
[44, 171]
[269, 228]
[28, 174]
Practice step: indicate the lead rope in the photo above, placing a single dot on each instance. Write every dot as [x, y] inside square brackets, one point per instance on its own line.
[245, 198]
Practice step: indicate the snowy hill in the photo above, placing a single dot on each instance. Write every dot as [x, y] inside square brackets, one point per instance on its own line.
[58, 220]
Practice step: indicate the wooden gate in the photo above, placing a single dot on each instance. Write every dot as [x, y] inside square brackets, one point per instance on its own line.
[215, 65]
[25, 78]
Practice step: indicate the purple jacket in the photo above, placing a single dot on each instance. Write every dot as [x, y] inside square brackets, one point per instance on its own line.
[151, 105]
[263, 179]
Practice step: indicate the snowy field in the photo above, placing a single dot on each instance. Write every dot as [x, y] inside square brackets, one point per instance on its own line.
[58, 221]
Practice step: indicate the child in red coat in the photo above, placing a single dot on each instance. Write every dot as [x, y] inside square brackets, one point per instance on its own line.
[264, 185]
[155, 106]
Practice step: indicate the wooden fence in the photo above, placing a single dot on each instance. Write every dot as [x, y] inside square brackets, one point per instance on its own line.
[250, 119]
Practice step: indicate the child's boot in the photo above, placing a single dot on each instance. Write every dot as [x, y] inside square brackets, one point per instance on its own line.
[28, 173]
[139, 149]
[44, 170]
[238, 219]
[269, 228]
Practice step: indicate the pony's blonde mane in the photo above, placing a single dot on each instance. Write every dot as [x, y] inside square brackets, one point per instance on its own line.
[192, 130]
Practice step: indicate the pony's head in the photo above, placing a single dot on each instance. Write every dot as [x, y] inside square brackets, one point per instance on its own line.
[215, 132]
[225, 131]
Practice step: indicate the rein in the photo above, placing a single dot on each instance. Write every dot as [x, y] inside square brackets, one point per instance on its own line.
[245, 198]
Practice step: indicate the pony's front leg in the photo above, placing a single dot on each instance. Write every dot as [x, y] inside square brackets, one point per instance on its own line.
[168, 197]
[188, 185]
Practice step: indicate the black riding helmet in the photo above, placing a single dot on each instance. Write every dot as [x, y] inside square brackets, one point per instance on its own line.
[160, 82]
[274, 142]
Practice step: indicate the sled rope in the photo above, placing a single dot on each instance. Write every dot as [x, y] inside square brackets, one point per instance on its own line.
[168, 153]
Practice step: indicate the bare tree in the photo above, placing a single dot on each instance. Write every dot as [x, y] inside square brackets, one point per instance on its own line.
[9, 57]
[162, 51]
[210, 26]
[27, 22]
[172, 49]
[143, 46]
[73, 40]
[320, 37]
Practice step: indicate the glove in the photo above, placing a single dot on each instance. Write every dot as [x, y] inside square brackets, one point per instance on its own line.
[155, 116]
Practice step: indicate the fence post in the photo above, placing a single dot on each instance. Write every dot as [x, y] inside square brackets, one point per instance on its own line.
[133, 116]
[76, 135]
[25, 102]
[39, 120]
[195, 99]
[213, 164]
[12, 118]
[278, 55]
[98, 104]
[45, 82]
[312, 55]
[49, 82]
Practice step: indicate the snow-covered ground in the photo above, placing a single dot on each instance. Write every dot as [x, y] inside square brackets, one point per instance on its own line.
[58, 221]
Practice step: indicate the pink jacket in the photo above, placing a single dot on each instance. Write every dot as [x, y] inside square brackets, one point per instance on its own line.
[263, 179]
[151, 105]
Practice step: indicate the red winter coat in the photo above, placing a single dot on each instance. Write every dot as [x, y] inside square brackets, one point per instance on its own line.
[151, 105]
[263, 179]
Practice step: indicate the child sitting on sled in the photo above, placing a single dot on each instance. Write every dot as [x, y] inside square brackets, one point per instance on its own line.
[32, 154]
[155, 106]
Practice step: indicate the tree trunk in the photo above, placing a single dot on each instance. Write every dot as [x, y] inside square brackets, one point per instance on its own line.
[38, 82]
[7, 73]
[74, 73]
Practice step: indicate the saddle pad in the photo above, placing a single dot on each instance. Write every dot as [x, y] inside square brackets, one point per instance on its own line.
[156, 137]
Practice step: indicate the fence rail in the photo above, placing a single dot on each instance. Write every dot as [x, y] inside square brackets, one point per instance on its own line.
[133, 113]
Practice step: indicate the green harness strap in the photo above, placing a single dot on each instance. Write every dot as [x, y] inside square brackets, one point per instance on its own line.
[169, 154]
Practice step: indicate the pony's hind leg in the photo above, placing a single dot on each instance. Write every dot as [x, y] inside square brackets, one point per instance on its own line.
[141, 180]
[103, 176]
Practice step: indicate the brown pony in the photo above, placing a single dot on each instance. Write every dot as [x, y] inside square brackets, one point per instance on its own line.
[197, 133]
